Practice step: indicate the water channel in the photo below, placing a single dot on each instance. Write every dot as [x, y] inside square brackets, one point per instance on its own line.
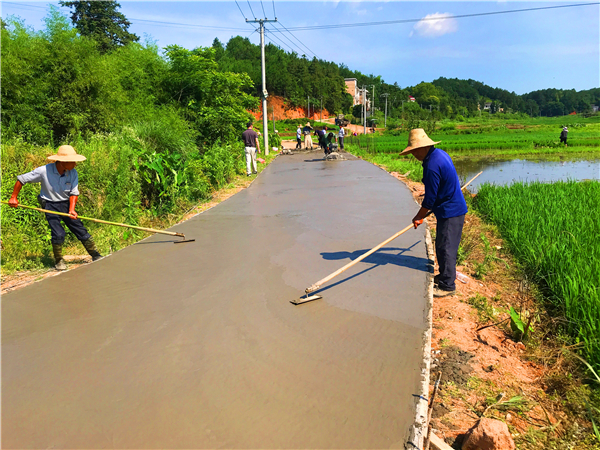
[506, 171]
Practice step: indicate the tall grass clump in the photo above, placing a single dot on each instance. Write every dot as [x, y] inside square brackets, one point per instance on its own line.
[553, 231]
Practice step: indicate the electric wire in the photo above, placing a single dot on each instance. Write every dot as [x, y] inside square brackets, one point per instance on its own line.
[302, 43]
[263, 8]
[274, 14]
[425, 19]
[243, 15]
[251, 9]
[155, 22]
[298, 49]
[280, 43]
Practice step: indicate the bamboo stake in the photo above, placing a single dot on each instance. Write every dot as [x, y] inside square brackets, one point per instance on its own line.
[319, 283]
[150, 230]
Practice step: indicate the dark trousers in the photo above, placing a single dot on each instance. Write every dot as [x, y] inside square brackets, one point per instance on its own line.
[298, 143]
[341, 140]
[447, 239]
[56, 229]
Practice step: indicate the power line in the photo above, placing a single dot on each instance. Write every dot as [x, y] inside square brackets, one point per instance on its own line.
[238, 5]
[263, 8]
[251, 9]
[156, 22]
[299, 40]
[298, 49]
[459, 16]
[274, 14]
[280, 43]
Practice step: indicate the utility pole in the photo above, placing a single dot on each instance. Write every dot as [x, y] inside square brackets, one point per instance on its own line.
[308, 107]
[273, 118]
[265, 94]
[321, 113]
[365, 110]
[373, 98]
[385, 119]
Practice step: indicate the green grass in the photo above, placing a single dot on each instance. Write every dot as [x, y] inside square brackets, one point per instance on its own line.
[552, 230]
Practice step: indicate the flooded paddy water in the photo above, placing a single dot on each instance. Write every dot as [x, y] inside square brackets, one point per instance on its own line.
[503, 171]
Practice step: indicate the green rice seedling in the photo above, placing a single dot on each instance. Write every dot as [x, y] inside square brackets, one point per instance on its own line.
[552, 230]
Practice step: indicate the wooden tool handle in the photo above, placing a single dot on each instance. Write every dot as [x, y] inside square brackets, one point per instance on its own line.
[319, 283]
[150, 230]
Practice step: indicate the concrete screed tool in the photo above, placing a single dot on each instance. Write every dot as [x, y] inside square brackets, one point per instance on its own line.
[150, 230]
[318, 284]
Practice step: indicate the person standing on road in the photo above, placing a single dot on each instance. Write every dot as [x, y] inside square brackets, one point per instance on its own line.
[307, 138]
[59, 192]
[443, 196]
[563, 136]
[299, 137]
[251, 145]
[341, 135]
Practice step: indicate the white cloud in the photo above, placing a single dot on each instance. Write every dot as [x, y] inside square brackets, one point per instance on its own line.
[433, 25]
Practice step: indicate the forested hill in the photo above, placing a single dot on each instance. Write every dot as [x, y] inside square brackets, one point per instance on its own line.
[296, 78]
[289, 75]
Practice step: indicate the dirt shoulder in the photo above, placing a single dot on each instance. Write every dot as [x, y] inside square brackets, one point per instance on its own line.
[486, 370]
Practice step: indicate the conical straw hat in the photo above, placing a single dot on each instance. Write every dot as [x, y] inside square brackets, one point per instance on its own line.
[66, 153]
[418, 139]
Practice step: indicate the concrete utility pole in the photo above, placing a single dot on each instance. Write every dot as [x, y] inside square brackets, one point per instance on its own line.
[364, 109]
[265, 94]
[308, 107]
[385, 117]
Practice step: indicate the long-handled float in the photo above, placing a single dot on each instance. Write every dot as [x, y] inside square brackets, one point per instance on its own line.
[149, 230]
[318, 284]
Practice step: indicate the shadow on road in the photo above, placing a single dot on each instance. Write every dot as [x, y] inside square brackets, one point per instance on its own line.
[378, 258]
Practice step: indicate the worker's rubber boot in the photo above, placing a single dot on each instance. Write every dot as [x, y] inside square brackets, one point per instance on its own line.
[58, 258]
[91, 248]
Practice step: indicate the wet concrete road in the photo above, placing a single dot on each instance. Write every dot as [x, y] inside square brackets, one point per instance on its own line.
[198, 346]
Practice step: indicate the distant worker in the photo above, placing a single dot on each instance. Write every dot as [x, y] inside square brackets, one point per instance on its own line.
[299, 137]
[251, 146]
[341, 135]
[443, 196]
[307, 138]
[323, 139]
[59, 192]
[563, 136]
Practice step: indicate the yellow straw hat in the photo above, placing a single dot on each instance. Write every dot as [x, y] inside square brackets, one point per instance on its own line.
[66, 153]
[307, 124]
[418, 139]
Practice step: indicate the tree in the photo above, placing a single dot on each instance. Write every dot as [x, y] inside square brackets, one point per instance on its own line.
[100, 21]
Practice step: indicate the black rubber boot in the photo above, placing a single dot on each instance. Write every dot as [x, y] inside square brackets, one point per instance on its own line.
[91, 248]
[58, 258]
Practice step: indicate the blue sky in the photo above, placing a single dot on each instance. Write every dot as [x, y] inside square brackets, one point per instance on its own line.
[520, 52]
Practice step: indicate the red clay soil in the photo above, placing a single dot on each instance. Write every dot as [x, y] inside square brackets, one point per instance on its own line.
[285, 110]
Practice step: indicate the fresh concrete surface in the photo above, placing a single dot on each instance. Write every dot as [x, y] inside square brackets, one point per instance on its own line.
[197, 345]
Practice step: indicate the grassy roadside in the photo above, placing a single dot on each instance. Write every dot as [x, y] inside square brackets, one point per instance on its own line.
[535, 384]
[33, 265]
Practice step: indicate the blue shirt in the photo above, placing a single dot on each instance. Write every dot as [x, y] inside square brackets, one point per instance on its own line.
[55, 187]
[442, 187]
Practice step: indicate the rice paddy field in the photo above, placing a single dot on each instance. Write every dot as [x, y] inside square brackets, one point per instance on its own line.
[535, 136]
[550, 228]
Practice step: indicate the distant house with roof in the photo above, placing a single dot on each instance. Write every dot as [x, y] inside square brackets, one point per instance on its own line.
[411, 98]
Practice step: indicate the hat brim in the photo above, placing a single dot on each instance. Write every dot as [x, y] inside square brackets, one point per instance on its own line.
[70, 158]
[408, 150]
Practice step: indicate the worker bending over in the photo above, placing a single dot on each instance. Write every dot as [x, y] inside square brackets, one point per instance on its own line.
[443, 196]
[59, 191]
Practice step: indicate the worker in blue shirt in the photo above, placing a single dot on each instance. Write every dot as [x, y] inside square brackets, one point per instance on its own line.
[443, 196]
[59, 192]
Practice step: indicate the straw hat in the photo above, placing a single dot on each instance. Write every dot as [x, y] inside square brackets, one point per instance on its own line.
[307, 124]
[66, 153]
[418, 139]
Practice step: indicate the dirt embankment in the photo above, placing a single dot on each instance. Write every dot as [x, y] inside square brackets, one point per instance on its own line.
[285, 110]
